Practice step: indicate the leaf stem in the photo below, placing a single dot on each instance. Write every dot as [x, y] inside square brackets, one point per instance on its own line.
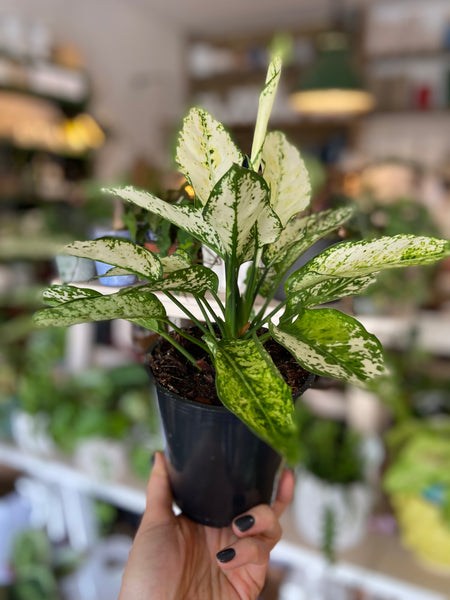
[187, 312]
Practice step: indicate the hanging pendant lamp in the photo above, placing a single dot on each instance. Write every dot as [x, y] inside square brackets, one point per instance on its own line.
[332, 86]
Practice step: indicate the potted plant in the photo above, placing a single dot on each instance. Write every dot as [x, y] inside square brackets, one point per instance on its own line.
[333, 498]
[247, 210]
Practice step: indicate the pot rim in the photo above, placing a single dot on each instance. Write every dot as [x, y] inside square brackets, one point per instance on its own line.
[212, 407]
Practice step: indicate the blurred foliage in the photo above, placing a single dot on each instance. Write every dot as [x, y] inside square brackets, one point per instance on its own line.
[330, 449]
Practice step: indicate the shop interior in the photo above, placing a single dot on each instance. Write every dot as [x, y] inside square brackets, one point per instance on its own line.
[92, 95]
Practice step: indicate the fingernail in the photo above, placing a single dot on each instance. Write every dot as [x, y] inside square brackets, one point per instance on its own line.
[152, 459]
[226, 555]
[244, 523]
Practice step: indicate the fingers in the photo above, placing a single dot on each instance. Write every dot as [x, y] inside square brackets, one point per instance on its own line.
[159, 496]
[258, 530]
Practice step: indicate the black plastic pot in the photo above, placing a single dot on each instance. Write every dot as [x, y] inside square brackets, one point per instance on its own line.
[217, 467]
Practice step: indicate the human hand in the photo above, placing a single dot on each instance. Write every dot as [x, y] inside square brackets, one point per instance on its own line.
[173, 558]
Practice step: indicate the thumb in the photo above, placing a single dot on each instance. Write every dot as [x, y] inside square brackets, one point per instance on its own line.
[159, 495]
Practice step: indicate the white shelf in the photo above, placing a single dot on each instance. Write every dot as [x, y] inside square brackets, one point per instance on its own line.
[311, 576]
[128, 494]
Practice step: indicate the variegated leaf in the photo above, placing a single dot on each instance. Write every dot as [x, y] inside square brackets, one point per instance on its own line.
[188, 218]
[286, 175]
[354, 259]
[205, 152]
[101, 308]
[195, 280]
[174, 262]
[332, 344]
[266, 100]
[119, 252]
[249, 384]
[328, 290]
[59, 294]
[238, 201]
[299, 235]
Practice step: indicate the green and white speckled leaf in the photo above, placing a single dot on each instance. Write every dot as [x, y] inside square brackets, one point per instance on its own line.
[188, 218]
[195, 280]
[129, 306]
[205, 152]
[238, 202]
[121, 253]
[328, 290]
[175, 262]
[299, 235]
[354, 259]
[249, 384]
[332, 344]
[59, 294]
[286, 175]
[266, 100]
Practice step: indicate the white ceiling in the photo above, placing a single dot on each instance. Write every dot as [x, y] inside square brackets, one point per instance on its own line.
[236, 16]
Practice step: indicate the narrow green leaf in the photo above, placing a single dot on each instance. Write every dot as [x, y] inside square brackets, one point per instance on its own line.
[102, 308]
[188, 218]
[119, 252]
[332, 344]
[205, 152]
[354, 259]
[286, 175]
[195, 280]
[249, 384]
[238, 202]
[328, 290]
[59, 294]
[266, 100]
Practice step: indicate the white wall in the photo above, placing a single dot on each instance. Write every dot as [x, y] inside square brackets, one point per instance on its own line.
[135, 60]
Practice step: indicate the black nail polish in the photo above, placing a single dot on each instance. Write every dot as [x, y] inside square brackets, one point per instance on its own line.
[152, 459]
[226, 555]
[244, 523]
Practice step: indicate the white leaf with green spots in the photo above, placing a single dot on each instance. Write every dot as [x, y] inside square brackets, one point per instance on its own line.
[354, 259]
[205, 152]
[266, 100]
[175, 262]
[299, 235]
[188, 218]
[249, 384]
[121, 253]
[286, 175]
[195, 280]
[132, 305]
[327, 290]
[59, 294]
[238, 202]
[332, 344]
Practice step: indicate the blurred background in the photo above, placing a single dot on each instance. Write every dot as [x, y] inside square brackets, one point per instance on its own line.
[93, 93]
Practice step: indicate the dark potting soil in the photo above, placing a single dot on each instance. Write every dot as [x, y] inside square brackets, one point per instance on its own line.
[174, 372]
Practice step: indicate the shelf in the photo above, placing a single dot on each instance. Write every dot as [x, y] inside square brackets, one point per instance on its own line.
[308, 572]
[128, 494]
[68, 87]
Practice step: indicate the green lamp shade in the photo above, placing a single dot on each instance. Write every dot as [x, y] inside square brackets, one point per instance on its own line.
[332, 85]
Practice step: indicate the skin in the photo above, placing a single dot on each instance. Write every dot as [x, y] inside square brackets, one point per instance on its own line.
[173, 558]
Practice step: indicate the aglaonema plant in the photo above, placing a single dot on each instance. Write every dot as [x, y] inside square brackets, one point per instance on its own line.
[248, 210]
